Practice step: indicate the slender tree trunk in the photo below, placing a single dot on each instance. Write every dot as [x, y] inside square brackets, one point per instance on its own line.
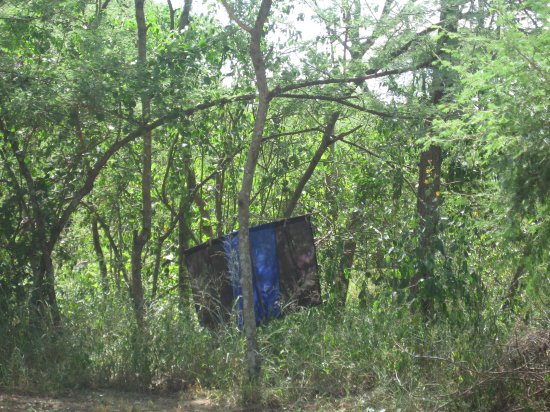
[253, 356]
[172, 15]
[120, 267]
[349, 246]
[141, 238]
[141, 345]
[344, 268]
[184, 231]
[513, 287]
[156, 267]
[199, 201]
[100, 256]
[220, 186]
[325, 144]
[251, 393]
[184, 284]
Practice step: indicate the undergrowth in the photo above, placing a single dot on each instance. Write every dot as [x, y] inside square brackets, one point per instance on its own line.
[382, 356]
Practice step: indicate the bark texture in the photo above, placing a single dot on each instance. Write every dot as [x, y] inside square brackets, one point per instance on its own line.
[251, 393]
[43, 300]
[142, 237]
[429, 166]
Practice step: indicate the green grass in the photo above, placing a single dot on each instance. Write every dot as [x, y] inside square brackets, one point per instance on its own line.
[352, 359]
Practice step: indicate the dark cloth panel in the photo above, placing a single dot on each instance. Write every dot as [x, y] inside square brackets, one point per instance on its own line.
[223, 280]
[300, 286]
[210, 284]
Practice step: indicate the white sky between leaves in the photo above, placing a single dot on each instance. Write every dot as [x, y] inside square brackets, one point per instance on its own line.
[309, 27]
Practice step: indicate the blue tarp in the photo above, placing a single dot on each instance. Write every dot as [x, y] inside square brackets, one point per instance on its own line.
[284, 272]
[265, 271]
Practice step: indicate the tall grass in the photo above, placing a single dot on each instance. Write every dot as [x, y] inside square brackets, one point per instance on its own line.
[380, 356]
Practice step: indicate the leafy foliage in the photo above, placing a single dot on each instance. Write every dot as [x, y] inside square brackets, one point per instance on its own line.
[71, 193]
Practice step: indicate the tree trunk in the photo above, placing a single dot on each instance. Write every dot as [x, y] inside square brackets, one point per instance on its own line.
[100, 256]
[43, 298]
[429, 168]
[199, 201]
[513, 287]
[346, 263]
[251, 392]
[184, 284]
[349, 246]
[141, 238]
[120, 267]
[220, 183]
[325, 144]
[184, 16]
[156, 267]
[172, 15]
[429, 187]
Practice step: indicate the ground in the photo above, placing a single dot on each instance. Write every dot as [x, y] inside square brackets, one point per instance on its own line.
[101, 401]
[117, 401]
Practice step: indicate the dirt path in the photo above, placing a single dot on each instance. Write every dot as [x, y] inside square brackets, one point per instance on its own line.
[102, 401]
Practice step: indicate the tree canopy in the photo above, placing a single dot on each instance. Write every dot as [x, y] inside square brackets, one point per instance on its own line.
[414, 132]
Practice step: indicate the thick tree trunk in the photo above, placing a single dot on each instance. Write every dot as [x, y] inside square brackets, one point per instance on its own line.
[429, 187]
[43, 297]
[429, 167]
[184, 16]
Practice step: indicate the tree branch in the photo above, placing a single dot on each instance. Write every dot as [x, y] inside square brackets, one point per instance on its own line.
[184, 16]
[294, 132]
[234, 17]
[325, 143]
[378, 30]
[172, 13]
[338, 100]
[371, 74]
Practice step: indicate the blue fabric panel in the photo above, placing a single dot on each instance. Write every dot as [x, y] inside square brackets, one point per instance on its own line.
[265, 268]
